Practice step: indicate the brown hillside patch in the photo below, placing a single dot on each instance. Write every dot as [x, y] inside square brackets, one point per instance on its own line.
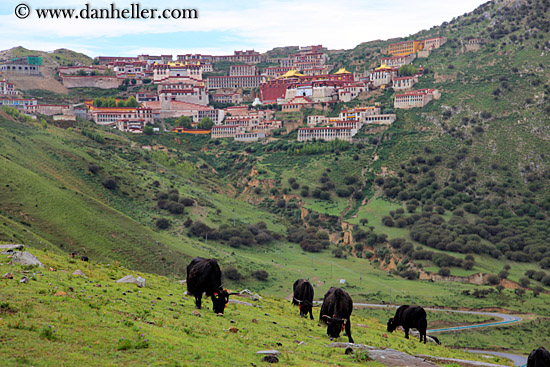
[6, 116]
[46, 81]
[440, 78]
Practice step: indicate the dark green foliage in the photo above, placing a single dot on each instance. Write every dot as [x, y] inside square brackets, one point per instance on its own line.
[162, 223]
[93, 135]
[109, 183]
[338, 253]
[409, 274]
[260, 275]
[93, 168]
[232, 273]
[493, 279]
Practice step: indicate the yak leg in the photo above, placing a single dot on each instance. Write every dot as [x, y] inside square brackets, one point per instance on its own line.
[406, 332]
[198, 302]
[422, 329]
[310, 314]
[348, 331]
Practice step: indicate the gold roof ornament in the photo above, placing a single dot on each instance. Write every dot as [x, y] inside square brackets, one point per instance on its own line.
[342, 71]
[291, 73]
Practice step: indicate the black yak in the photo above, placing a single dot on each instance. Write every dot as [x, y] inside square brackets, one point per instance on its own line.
[539, 357]
[410, 317]
[303, 297]
[205, 276]
[336, 311]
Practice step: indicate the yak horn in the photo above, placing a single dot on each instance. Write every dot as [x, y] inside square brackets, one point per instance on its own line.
[297, 300]
[233, 293]
[325, 316]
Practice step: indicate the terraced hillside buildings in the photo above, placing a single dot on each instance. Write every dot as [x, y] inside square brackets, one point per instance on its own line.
[413, 46]
[415, 98]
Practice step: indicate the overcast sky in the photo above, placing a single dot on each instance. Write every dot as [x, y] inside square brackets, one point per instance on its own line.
[224, 26]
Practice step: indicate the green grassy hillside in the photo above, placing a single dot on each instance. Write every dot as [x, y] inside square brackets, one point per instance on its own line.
[453, 189]
[58, 318]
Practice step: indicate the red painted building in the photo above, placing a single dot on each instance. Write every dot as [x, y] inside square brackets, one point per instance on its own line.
[271, 90]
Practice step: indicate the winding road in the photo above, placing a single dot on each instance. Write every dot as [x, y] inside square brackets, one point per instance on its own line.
[505, 319]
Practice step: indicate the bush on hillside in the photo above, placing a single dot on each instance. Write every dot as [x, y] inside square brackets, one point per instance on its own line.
[260, 275]
[493, 279]
[162, 223]
[109, 183]
[231, 273]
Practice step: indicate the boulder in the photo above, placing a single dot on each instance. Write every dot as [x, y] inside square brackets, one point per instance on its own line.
[79, 273]
[388, 357]
[26, 258]
[241, 302]
[140, 282]
[271, 352]
[24, 280]
[8, 276]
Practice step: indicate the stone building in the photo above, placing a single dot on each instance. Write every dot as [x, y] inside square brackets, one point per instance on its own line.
[415, 98]
[29, 65]
[326, 133]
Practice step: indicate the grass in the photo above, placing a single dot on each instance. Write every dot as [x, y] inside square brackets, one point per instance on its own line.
[97, 321]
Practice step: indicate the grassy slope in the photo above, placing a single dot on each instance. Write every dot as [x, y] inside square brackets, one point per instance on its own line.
[91, 321]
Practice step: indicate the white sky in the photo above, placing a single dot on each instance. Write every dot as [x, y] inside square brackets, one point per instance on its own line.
[224, 26]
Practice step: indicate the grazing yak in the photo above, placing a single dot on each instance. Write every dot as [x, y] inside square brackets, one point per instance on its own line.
[303, 297]
[410, 317]
[82, 258]
[205, 276]
[336, 311]
[539, 357]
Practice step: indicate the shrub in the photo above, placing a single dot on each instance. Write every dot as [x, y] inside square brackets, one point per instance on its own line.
[263, 238]
[337, 252]
[231, 273]
[444, 272]
[387, 221]
[186, 201]
[176, 208]
[350, 180]
[199, 229]
[162, 223]
[109, 183]
[538, 275]
[524, 282]
[235, 242]
[409, 274]
[93, 168]
[493, 279]
[546, 280]
[260, 275]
